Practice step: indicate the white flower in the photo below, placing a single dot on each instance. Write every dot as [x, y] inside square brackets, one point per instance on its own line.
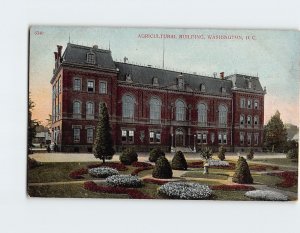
[184, 190]
[218, 163]
[266, 195]
[124, 181]
[103, 172]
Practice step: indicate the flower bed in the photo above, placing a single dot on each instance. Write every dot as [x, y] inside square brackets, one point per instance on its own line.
[218, 163]
[118, 166]
[182, 190]
[233, 187]
[78, 174]
[259, 167]
[124, 181]
[198, 164]
[132, 193]
[102, 172]
[141, 166]
[155, 181]
[289, 179]
[265, 195]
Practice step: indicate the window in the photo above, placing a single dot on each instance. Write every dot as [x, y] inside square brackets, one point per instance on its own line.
[128, 107]
[249, 84]
[127, 136]
[249, 120]
[242, 138]
[223, 90]
[59, 85]
[103, 87]
[77, 84]
[256, 121]
[180, 110]
[222, 138]
[76, 135]
[76, 109]
[155, 110]
[154, 137]
[180, 83]
[255, 139]
[242, 120]
[255, 104]
[243, 103]
[201, 138]
[249, 136]
[202, 87]
[90, 110]
[249, 104]
[155, 81]
[222, 116]
[90, 135]
[90, 58]
[202, 114]
[90, 86]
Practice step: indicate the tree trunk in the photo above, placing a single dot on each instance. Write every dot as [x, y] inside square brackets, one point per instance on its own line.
[103, 159]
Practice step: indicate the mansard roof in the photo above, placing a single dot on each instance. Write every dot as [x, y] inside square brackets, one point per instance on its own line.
[77, 54]
[241, 82]
[168, 79]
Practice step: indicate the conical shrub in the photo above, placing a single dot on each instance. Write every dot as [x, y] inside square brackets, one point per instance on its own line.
[221, 154]
[155, 154]
[128, 156]
[179, 162]
[162, 169]
[242, 173]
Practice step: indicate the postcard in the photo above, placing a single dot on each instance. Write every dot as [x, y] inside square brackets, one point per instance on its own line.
[163, 113]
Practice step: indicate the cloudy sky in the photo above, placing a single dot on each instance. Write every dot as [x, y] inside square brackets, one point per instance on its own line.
[272, 55]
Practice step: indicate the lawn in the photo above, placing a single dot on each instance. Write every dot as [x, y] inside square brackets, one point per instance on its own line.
[278, 161]
[198, 174]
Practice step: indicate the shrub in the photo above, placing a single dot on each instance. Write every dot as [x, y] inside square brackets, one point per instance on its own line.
[155, 154]
[129, 156]
[242, 173]
[162, 169]
[102, 172]
[265, 195]
[183, 190]
[221, 154]
[292, 154]
[206, 153]
[124, 181]
[179, 162]
[250, 154]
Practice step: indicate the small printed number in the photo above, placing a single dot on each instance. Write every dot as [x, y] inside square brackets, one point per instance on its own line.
[39, 33]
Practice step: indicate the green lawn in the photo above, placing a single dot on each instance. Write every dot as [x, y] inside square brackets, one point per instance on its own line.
[278, 162]
[230, 195]
[199, 174]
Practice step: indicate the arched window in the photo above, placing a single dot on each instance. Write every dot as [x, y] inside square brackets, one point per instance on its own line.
[180, 110]
[202, 114]
[242, 120]
[249, 120]
[256, 120]
[90, 110]
[128, 106]
[76, 109]
[155, 109]
[222, 115]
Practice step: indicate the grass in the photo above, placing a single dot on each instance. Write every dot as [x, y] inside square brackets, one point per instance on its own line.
[67, 191]
[230, 195]
[198, 174]
[278, 161]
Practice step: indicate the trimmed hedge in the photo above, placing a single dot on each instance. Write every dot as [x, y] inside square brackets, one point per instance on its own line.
[179, 162]
[221, 154]
[162, 169]
[128, 156]
[242, 173]
[155, 154]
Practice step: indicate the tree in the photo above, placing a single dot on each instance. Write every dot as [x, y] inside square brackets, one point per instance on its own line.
[103, 144]
[179, 162]
[221, 154]
[155, 154]
[242, 173]
[206, 153]
[275, 133]
[32, 124]
[162, 169]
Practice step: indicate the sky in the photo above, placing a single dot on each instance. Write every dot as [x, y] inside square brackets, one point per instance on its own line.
[273, 56]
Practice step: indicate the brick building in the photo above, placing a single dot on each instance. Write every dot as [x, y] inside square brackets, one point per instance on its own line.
[151, 107]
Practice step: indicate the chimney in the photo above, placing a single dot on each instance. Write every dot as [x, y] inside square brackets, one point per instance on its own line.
[55, 56]
[222, 75]
[59, 48]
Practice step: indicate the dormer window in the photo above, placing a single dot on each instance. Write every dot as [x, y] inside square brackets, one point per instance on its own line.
[155, 81]
[180, 83]
[249, 84]
[90, 58]
[202, 87]
[128, 78]
[223, 90]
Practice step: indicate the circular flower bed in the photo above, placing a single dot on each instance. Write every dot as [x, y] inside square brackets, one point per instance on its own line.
[182, 190]
[124, 181]
[218, 163]
[265, 195]
[102, 172]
